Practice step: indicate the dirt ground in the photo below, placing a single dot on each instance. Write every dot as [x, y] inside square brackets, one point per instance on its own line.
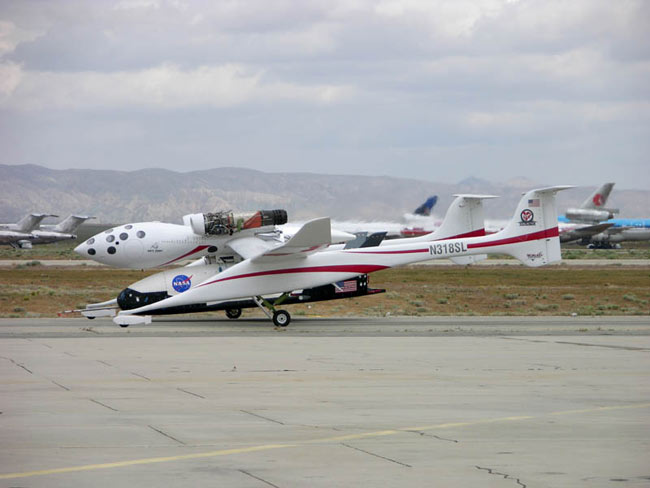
[34, 291]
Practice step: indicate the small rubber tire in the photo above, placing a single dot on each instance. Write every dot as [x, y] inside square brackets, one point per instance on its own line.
[281, 318]
[124, 326]
[233, 313]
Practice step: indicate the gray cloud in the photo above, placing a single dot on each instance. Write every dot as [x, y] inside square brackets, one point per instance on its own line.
[552, 90]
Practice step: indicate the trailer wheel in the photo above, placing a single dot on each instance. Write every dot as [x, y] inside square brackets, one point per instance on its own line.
[281, 318]
[233, 313]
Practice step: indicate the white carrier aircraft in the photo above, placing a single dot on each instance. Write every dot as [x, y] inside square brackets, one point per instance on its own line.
[304, 262]
[464, 219]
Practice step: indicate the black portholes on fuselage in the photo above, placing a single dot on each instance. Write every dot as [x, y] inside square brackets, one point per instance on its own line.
[111, 250]
[213, 249]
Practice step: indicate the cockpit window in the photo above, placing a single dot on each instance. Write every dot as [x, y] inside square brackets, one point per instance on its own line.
[140, 234]
[91, 251]
[128, 227]
[111, 250]
[108, 231]
[124, 236]
[110, 238]
[90, 241]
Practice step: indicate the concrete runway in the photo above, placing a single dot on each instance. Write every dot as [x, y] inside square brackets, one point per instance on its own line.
[450, 402]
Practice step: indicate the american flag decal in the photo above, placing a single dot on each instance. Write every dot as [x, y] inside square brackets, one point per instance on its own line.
[534, 202]
[345, 286]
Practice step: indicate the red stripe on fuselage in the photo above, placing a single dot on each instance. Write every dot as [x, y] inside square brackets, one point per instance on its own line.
[474, 233]
[542, 234]
[195, 250]
[388, 252]
[342, 268]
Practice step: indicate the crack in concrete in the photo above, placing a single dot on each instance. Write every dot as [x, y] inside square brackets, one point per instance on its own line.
[190, 393]
[585, 344]
[166, 434]
[17, 364]
[60, 385]
[262, 417]
[377, 455]
[335, 429]
[505, 476]
[609, 346]
[104, 362]
[104, 405]
[141, 376]
[40, 343]
[258, 478]
[432, 435]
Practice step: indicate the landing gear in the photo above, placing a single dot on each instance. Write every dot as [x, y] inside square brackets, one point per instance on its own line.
[233, 313]
[280, 318]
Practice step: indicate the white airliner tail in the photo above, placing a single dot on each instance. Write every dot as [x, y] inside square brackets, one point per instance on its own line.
[31, 222]
[70, 224]
[532, 235]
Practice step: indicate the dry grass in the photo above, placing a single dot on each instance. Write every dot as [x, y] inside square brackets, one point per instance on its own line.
[418, 290]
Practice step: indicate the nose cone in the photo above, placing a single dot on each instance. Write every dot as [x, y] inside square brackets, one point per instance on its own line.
[81, 249]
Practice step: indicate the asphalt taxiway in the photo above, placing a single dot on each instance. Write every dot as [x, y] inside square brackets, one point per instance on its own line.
[454, 402]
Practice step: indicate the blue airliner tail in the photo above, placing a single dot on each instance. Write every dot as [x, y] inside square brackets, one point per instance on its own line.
[426, 207]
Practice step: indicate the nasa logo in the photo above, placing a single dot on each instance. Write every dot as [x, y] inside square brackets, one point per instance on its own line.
[181, 283]
[598, 199]
[527, 217]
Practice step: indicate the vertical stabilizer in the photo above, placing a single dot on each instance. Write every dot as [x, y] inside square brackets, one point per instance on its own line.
[70, 224]
[532, 235]
[31, 222]
[426, 208]
[598, 199]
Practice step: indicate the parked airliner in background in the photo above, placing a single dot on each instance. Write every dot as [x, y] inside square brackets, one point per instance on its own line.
[593, 224]
[20, 233]
[29, 231]
[420, 222]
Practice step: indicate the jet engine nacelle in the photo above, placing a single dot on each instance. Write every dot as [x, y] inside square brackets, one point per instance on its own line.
[227, 223]
[25, 244]
[590, 215]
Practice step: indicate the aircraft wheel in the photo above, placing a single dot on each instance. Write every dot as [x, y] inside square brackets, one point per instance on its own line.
[124, 326]
[281, 318]
[233, 313]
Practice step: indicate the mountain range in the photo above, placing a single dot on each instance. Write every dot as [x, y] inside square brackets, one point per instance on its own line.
[158, 194]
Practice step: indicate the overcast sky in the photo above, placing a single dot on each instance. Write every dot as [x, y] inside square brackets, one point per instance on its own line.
[556, 91]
